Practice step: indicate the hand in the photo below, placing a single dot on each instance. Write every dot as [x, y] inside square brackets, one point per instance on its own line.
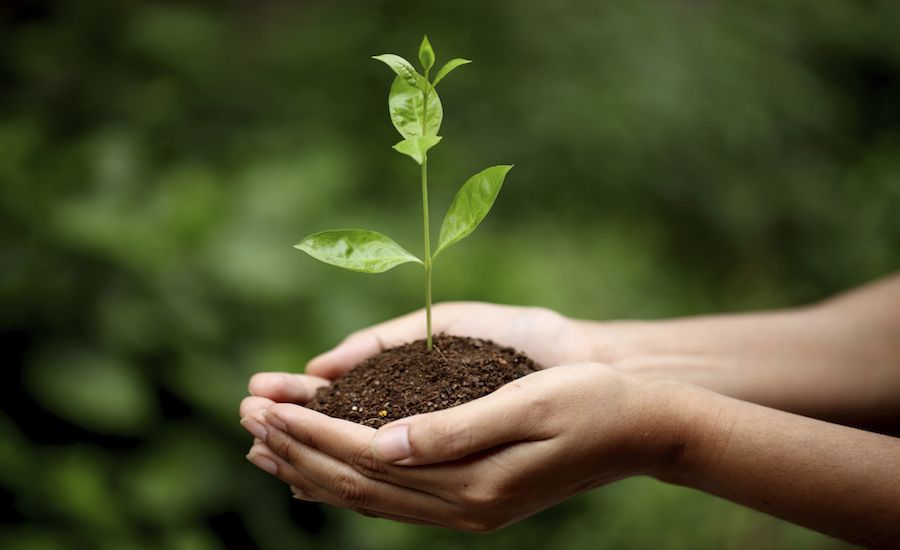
[484, 464]
[546, 336]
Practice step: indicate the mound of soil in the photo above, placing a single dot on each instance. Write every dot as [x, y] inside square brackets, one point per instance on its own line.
[409, 379]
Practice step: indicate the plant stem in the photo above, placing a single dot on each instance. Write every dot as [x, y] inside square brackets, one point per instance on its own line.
[425, 223]
[427, 254]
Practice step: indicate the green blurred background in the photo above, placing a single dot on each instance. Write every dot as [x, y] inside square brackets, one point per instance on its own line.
[159, 160]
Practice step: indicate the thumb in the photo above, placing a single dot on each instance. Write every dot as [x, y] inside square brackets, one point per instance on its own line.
[497, 418]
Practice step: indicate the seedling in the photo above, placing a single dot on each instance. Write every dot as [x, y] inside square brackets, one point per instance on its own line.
[417, 113]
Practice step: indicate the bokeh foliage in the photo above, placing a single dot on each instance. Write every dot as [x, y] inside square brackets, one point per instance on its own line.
[159, 159]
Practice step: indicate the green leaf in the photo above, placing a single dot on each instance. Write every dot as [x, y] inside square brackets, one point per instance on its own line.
[403, 68]
[470, 205]
[426, 54]
[405, 105]
[449, 66]
[417, 147]
[356, 250]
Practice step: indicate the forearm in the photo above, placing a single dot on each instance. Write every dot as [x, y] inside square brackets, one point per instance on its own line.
[839, 360]
[834, 479]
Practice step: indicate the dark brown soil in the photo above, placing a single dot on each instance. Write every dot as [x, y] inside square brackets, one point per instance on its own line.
[409, 380]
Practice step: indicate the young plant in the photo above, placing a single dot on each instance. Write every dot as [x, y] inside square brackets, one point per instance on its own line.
[417, 113]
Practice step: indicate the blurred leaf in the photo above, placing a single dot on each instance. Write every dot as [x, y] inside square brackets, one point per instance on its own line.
[356, 250]
[77, 484]
[210, 386]
[417, 147]
[470, 205]
[32, 537]
[131, 319]
[193, 539]
[17, 455]
[268, 197]
[406, 107]
[97, 392]
[165, 32]
[179, 477]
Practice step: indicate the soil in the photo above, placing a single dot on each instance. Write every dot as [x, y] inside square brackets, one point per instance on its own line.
[409, 380]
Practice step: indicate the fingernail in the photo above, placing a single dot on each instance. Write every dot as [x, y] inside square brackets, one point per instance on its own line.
[392, 444]
[275, 421]
[254, 427]
[263, 463]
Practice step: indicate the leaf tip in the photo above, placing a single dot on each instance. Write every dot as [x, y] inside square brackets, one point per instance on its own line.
[426, 54]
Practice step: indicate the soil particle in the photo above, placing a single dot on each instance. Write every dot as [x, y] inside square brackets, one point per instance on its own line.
[409, 380]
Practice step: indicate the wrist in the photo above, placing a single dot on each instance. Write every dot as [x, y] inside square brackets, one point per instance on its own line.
[693, 424]
[665, 350]
[612, 342]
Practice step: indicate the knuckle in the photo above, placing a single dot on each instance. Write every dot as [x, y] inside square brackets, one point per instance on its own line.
[305, 438]
[538, 403]
[482, 496]
[366, 464]
[453, 436]
[349, 489]
[287, 449]
[281, 445]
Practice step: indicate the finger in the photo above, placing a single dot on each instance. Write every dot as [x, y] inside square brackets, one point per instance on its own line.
[285, 387]
[368, 342]
[263, 458]
[344, 486]
[511, 414]
[338, 438]
[252, 404]
[350, 443]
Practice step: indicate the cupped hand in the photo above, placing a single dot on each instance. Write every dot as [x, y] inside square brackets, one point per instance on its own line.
[546, 336]
[481, 465]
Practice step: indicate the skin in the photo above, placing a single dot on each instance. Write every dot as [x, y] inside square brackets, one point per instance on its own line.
[712, 403]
